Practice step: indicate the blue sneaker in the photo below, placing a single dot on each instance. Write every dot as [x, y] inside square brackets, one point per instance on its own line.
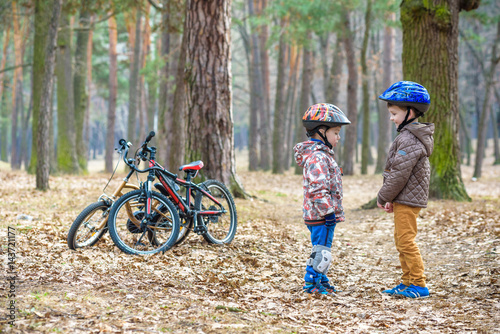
[396, 290]
[328, 287]
[315, 288]
[414, 291]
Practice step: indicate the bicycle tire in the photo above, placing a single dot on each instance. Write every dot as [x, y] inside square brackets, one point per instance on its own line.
[159, 235]
[184, 231]
[84, 219]
[220, 227]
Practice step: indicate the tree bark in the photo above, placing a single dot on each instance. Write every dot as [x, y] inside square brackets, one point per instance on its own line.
[305, 102]
[43, 152]
[67, 160]
[113, 90]
[384, 123]
[365, 150]
[134, 90]
[80, 85]
[430, 57]
[265, 116]
[208, 67]
[278, 154]
[350, 142]
[17, 87]
[3, 105]
[483, 121]
[335, 77]
[290, 106]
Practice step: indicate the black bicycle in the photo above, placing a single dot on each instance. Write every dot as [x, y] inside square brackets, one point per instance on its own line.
[212, 214]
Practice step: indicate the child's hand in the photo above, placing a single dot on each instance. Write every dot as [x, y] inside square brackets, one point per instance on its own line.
[389, 207]
[380, 205]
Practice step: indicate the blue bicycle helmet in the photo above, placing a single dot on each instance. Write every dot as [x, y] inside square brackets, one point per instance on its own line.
[408, 94]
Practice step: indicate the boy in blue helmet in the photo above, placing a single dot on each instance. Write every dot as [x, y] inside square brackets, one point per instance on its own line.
[406, 180]
[322, 190]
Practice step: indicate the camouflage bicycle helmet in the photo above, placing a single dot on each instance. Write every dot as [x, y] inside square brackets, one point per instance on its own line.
[323, 115]
[408, 94]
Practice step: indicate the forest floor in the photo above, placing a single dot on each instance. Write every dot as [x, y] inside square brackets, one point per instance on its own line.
[253, 284]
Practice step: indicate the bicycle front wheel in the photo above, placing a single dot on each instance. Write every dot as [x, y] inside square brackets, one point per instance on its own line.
[89, 226]
[132, 234]
[217, 212]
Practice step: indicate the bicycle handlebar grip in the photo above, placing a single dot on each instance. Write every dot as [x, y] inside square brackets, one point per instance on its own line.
[150, 136]
[122, 142]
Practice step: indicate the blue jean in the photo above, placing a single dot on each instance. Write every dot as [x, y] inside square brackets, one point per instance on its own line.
[320, 235]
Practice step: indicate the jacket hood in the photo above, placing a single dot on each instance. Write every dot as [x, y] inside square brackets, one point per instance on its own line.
[424, 132]
[305, 149]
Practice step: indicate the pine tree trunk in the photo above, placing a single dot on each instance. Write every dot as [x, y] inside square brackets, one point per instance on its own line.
[265, 116]
[134, 90]
[494, 125]
[384, 124]
[86, 122]
[3, 103]
[113, 91]
[278, 153]
[350, 142]
[43, 11]
[290, 107]
[164, 73]
[483, 121]
[43, 151]
[430, 57]
[17, 87]
[365, 150]
[332, 93]
[210, 135]
[305, 93]
[80, 85]
[67, 160]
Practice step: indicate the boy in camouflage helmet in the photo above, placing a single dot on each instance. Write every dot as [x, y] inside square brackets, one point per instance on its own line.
[322, 190]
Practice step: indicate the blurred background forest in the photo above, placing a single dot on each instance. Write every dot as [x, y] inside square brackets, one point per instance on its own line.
[116, 74]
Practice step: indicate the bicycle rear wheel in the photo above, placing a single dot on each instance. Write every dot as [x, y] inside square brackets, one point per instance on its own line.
[217, 212]
[133, 236]
[85, 231]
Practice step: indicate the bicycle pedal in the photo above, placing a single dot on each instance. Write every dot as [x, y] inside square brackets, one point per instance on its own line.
[200, 230]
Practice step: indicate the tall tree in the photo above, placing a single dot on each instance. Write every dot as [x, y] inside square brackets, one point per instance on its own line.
[113, 91]
[351, 141]
[135, 61]
[67, 159]
[80, 84]
[210, 135]
[384, 123]
[366, 94]
[430, 57]
[3, 103]
[43, 152]
[482, 128]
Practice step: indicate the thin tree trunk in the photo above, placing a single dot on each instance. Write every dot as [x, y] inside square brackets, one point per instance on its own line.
[86, 123]
[17, 86]
[67, 160]
[265, 116]
[384, 124]
[483, 121]
[163, 121]
[290, 105]
[366, 92]
[350, 142]
[278, 153]
[80, 85]
[113, 90]
[335, 77]
[305, 93]
[43, 151]
[494, 124]
[134, 88]
[3, 103]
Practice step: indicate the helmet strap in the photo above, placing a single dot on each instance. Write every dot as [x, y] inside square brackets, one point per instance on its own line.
[323, 137]
[406, 121]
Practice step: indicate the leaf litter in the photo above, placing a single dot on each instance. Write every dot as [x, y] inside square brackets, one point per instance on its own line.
[253, 284]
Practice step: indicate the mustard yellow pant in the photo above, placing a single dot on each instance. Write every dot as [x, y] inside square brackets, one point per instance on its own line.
[405, 231]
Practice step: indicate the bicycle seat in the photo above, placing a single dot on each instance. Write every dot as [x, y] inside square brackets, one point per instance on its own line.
[195, 165]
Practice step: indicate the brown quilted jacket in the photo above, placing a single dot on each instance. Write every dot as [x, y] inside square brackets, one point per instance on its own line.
[407, 170]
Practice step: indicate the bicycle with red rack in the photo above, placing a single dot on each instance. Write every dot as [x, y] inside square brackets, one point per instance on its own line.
[212, 214]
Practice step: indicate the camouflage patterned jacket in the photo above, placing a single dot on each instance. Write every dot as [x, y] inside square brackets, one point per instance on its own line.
[322, 182]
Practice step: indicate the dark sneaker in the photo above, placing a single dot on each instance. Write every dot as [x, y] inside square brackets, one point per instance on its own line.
[414, 291]
[396, 290]
[328, 287]
[315, 288]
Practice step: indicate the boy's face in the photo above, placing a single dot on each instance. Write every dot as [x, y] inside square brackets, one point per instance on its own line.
[333, 135]
[398, 114]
